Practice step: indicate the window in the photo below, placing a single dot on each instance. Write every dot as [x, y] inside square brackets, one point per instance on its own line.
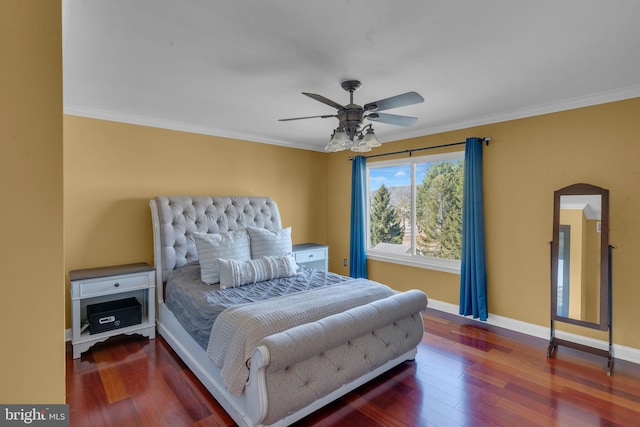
[414, 211]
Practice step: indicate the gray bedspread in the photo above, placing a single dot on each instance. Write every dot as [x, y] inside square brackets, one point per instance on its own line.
[196, 305]
[238, 330]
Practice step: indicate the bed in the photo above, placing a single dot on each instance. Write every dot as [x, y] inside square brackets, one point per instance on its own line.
[304, 347]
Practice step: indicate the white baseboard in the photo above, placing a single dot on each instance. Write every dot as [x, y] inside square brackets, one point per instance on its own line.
[621, 352]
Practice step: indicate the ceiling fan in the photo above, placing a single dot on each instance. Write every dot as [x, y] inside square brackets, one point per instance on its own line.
[350, 132]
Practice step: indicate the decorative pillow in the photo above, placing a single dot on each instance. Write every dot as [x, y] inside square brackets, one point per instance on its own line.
[211, 247]
[269, 243]
[234, 273]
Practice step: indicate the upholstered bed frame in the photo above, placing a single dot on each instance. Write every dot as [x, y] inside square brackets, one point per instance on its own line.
[295, 372]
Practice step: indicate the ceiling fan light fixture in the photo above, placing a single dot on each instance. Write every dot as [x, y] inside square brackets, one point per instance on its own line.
[331, 147]
[370, 138]
[361, 147]
[339, 139]
[366, 141]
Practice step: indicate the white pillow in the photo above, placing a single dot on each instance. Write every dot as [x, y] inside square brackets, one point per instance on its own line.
[269, 243]
[211, 247]
[234, 273]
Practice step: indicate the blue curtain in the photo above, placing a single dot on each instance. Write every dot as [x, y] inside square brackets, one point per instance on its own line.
[473, 272]
[358, 246]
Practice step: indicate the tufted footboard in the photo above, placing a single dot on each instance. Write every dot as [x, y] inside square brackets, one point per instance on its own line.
[297, 367]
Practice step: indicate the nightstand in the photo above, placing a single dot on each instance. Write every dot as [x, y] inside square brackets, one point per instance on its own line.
[105, 284]
[312, 255]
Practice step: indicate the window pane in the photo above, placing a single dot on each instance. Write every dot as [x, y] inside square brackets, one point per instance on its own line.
[390, 209]
[415, 210]
[439, 209]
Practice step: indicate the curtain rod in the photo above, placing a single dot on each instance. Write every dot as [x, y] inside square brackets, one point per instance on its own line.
[410, 151]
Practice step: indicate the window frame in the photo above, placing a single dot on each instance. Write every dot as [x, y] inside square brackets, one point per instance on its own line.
[413, 260]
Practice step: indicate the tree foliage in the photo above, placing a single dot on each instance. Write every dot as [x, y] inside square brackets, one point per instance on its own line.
[439, 210]
[386, 222]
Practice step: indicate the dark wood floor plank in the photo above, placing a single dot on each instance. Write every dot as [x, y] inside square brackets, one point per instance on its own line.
[123, 413]
[136, 375]
[108, 360]
[376, 414]
[533, 415]
[75, 399]
[176, 415]
[95, 399]
[216, 420]
[148, 409]
[530, 395]
[465, 374]
[187, 392]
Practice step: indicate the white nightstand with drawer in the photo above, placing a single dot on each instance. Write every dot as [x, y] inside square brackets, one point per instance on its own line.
[105, 284]
[312, 255]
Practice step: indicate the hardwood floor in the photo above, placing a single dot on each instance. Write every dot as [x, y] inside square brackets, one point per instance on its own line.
[465, 374]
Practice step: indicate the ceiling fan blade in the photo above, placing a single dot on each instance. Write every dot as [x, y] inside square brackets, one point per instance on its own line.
[308, 117]
[324, 100]
[392, 119]
[408, 98]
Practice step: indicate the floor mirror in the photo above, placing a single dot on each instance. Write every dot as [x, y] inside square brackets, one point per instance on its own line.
[581, 265]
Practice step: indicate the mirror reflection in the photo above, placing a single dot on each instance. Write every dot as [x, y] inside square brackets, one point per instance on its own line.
[579, 244]
[580, 256]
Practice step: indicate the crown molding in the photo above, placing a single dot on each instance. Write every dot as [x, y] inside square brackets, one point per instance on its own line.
[569, 104]
[537, 110]
[136, 119]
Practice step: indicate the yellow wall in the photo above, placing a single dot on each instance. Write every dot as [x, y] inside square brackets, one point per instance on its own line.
[113, 169]
[527, 160]
[32, 354]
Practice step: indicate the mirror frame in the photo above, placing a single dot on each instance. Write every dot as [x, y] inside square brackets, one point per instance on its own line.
[572, 190]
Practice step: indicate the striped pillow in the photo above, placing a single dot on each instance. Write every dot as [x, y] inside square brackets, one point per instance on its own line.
[269, 243]
[234, 273]
[212, 247]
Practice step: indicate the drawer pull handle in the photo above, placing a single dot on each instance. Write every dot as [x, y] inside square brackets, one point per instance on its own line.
[311, 256]
[116, 284]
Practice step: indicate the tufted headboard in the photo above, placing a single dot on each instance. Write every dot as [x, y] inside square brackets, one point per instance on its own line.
[176, 218]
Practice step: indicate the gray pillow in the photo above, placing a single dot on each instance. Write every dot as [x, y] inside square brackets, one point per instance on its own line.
[269, 243]
[234, 273]
[211, 247]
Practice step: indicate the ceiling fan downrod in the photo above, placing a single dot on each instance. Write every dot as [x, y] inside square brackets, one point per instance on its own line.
[351, 86]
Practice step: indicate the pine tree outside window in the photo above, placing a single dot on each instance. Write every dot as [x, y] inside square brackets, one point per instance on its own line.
[415, 210]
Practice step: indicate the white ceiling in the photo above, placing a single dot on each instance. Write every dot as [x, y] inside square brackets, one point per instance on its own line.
[233, 68]
[589, 204]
